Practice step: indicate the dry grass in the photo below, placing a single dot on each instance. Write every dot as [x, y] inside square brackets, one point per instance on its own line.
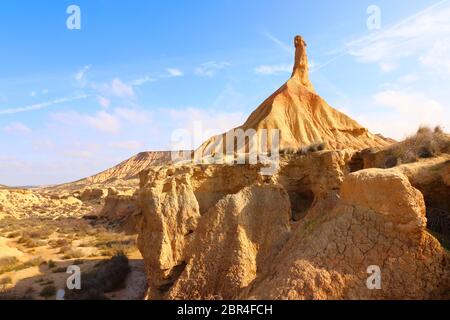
[426, 143]
[315, 147]
[13, 264]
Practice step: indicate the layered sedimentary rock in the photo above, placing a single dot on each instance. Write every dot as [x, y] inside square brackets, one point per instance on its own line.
[130, 168]
[301, 116]
[227, 232]
[33, 203]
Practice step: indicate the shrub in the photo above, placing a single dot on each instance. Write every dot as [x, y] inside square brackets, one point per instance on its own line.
[59, 270]
[73, 254]
[59, 243]
[426, 143]
[107, 277]
[287, 151]
[48, 291]
[14, 234]
[5, 281]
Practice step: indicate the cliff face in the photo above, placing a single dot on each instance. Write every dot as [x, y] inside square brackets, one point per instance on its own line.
[309, 232]
[302, 116]
[130, 168]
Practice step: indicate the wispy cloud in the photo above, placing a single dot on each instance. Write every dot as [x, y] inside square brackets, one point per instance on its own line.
[116, 88]
[273, 69]
[408, 102]
[103, 102]
[43, 105]
[285, 47]
[104, 121]
[173, 72]
[16, 128]
[126, 145]
[80, 75]
[416, 36]
[210, 68]
[407, 109]
[140, 81]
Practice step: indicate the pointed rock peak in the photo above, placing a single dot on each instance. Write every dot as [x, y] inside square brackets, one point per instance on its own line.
[301, 66]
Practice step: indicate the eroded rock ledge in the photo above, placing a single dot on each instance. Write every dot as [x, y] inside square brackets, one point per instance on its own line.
[309, 232]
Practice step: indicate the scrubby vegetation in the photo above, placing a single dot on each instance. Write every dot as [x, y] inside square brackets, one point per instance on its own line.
[48, 291]
[52, 245]
[426, 143]
[13, 264]
[107, 276]
[315, 147]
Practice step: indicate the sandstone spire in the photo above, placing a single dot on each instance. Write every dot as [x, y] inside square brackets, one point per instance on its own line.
[302, 116]
[301, 66]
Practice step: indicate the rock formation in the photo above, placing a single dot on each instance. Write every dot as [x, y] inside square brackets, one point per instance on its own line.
[316, 229]
[302, 117]
[309, 232]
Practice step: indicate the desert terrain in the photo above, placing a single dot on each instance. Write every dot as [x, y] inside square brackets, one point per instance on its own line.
[342, 200]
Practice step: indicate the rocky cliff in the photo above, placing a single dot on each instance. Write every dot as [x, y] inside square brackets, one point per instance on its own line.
[130, 168]
[310, 232]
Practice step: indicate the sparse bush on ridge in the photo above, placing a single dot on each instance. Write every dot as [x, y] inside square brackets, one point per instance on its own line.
[426, 143]
[315, 147]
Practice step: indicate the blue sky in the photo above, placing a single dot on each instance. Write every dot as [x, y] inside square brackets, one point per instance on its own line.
[75, 102]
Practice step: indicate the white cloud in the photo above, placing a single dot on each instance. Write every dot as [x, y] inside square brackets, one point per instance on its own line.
[120, 89]
[116, 88]
[126, 145]
[209, 69]
[17, 128]
[143, 80]
[408, 78]
[80, 75]
[173, 72]
[104, 122]
[43, 105]
[408, 102]
[132, 115]
[103, 102]
[411, 37]
[400, 113]
[438, 56]
[287, 48]
[388, 66]
[273, 69]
